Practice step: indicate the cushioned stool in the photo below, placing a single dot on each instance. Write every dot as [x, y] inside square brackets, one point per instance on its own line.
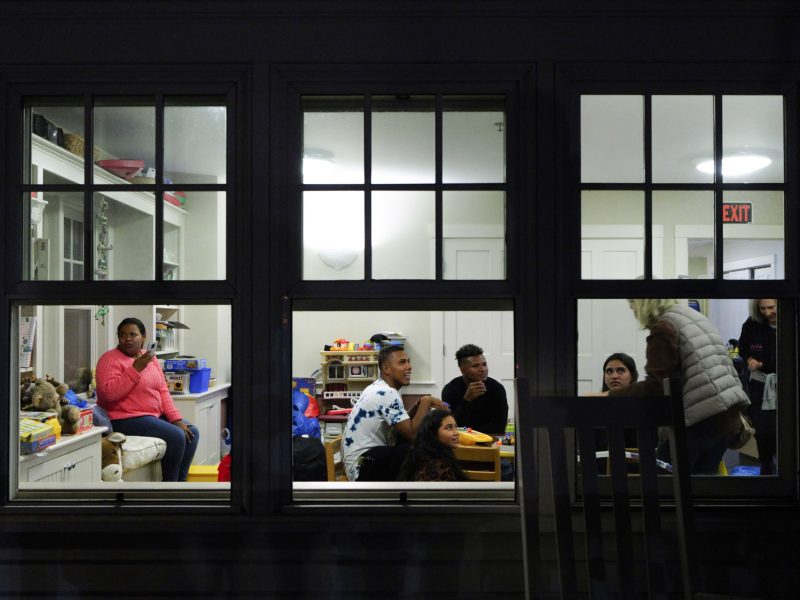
[141, 458]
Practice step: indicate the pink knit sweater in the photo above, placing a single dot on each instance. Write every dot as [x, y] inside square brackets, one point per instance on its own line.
[124, 392]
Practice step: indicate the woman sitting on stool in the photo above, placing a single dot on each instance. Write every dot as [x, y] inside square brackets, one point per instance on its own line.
[132, 390]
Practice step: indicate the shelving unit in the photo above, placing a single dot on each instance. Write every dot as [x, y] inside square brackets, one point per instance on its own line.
[125, 234]
[347, 370]
[168, 338]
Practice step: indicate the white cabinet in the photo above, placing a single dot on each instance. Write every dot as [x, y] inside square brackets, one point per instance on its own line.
[74, 459]
[204, 410]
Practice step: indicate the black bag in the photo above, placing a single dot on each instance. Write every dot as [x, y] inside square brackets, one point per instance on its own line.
[308, 459]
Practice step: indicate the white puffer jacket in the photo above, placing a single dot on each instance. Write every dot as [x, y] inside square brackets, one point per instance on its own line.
[710, 382]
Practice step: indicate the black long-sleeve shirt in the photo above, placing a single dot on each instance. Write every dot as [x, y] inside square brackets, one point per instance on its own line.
[487, 413]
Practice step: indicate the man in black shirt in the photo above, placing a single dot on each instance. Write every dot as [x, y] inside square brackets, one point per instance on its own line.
[476, 400]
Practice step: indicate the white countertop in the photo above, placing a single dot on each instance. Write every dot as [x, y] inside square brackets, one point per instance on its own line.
[219, 388]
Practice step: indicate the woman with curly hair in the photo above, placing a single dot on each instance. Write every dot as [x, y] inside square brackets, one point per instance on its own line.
[431, 456]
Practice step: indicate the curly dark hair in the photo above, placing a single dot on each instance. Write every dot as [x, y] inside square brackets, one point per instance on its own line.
[427, 448]
[466, 351]
[386, 352]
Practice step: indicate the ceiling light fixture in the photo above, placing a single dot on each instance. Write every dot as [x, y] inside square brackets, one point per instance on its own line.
[740, 164]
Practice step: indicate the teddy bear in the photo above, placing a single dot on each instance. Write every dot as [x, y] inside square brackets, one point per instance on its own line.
[111, 456]
[43, 396]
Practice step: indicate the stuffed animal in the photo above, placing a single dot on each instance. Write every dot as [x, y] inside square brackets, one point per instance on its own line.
[111, 456]
[43, 396]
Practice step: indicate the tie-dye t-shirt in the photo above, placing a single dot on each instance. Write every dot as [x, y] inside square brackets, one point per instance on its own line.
[371, 423]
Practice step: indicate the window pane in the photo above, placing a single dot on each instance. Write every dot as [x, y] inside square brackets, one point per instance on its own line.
[683, 138]
[67, 342]
[752, 139]
[473, 139]
[608, 326]
[194, 235]
[333, 235]
[612, 234]
[194, 141]
[683, 235]
[125, 138]
[403, 144]
[345, 373]
[56, 143]
[49, 237]
[612, 139]
[333, 139]
[124, 235]
[474, 235]
[753, 234]
[403, 235]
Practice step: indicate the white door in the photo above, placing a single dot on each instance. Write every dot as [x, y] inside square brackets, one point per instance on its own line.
[473, 258]
[608, 326]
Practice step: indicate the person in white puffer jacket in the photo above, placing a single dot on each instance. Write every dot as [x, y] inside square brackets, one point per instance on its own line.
[684, 342]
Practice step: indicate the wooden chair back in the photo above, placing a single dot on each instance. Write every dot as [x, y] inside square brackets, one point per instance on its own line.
[333, 459]
[551, 418]
[479, 463]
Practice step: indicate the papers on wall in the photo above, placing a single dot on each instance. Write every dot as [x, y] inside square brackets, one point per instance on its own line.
[27, 333]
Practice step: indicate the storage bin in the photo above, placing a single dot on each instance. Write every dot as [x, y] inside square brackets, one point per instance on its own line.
[198, 381]
[198, 473]
[184, 364]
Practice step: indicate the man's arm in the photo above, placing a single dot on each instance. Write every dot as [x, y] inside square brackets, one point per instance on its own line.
[408, 428]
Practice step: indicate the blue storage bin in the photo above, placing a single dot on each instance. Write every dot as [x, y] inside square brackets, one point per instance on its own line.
[744, 471]
[198, 381]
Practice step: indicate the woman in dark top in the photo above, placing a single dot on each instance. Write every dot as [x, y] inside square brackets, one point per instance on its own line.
[431, 456]
[757, 346]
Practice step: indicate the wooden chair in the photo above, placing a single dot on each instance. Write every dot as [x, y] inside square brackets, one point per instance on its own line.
[486, 455]
[333, 459]
[556, 415]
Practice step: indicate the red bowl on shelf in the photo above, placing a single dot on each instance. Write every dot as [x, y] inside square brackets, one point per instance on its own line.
[125, 168]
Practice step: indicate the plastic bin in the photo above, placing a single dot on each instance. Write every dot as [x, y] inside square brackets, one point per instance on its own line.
[198, 382]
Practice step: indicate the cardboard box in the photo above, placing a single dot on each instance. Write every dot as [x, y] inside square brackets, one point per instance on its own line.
[43, 417]
[178, 383]
[86, 420]
[35, 436]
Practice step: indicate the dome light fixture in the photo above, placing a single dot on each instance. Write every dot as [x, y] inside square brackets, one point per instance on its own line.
[737, 165]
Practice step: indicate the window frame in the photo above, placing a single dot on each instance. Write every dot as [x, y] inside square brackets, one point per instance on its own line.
[125, 82]
[575, 81]
[289, 84]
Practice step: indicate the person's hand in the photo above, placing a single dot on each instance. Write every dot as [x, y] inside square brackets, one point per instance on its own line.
[141, 361]
[186, 431]
[432, 402]
[475, 389]
[753, 364]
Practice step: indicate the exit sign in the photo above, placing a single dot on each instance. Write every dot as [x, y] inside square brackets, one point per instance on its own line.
[737, 212]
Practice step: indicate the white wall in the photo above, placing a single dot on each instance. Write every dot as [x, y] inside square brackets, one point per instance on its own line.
[312, 330]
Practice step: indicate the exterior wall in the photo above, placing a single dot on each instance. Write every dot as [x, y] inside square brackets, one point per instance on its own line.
[268, 550]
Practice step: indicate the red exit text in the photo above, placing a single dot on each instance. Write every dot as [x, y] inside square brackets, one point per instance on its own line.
[737, 212]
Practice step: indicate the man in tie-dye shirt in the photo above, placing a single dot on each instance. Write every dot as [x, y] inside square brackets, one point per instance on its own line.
[369, 447]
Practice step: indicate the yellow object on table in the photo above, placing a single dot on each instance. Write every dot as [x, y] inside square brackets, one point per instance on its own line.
[471, 437]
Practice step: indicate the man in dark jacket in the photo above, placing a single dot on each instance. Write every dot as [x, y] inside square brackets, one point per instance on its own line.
[476, 400]
[758, 347]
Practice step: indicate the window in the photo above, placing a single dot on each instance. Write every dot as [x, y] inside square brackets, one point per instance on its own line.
[125, 214]
[663, 176]
[404, 187]
[128, 229]
[691, 187]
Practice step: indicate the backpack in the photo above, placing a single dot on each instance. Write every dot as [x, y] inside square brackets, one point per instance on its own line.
[308, 459]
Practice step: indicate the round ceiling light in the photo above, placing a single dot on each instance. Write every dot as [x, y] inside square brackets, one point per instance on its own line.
[734, 166]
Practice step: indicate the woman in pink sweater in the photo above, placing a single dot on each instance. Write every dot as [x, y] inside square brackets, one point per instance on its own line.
[132, 390]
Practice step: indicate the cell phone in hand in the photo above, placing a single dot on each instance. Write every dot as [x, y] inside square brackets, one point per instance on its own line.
[151, 347]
